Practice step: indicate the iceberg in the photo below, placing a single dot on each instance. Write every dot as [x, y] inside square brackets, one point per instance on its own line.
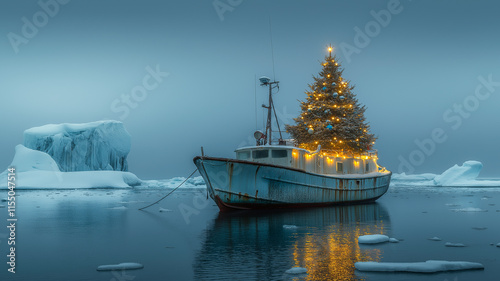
[101, 145]
[456, 176]
[70, 156]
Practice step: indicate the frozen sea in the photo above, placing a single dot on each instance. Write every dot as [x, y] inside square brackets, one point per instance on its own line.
[67, 234]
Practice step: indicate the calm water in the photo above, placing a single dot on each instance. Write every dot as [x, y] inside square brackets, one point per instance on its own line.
[65, 235]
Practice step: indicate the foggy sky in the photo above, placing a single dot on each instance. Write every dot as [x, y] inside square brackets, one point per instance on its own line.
[418, 73]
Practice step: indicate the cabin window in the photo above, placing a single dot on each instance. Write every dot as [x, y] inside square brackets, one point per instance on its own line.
[243, 155]
[279, 153]
[367, 167]
[260, 154]
[340, 167]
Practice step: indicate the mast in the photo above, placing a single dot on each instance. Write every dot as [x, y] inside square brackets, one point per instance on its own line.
[265, 81]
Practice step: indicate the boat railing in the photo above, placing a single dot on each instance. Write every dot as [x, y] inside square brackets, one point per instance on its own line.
[349, 154]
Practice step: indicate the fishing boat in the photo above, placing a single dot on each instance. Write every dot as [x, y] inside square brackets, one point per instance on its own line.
[283, 175]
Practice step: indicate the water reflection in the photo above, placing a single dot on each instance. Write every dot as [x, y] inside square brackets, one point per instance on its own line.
[257, 246]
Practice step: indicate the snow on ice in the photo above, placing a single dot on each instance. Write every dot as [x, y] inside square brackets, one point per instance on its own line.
[465, 175]
[95, 146]
[421, 267]
[121, 266]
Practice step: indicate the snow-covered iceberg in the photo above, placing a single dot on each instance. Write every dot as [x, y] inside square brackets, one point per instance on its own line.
[37, 170]
[465, 175]
[101, 145]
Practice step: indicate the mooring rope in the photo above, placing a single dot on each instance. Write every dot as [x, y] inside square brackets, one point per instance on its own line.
[170, 191]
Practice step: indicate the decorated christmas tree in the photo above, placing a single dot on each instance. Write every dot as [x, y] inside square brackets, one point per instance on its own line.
[331, 115]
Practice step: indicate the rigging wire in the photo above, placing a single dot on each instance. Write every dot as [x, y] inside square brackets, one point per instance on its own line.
[170, 191]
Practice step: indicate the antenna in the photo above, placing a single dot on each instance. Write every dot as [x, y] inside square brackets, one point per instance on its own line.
[255, 101]
[272, 47]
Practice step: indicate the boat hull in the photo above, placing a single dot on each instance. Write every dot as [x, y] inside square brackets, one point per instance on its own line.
[237, 184]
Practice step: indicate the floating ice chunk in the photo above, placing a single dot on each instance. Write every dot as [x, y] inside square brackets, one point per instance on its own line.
[119, 208]
[393, 240]
[449, 244]
[373, 239]
[121, 266]
[421, 267]
[296, 270]
[2, 206]
[164, 210]
[498, 245]
[290, 226]
[4, 200]
[435, 238]
[469, 209]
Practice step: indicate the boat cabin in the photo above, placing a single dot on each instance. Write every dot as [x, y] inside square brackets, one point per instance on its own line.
[330, 163]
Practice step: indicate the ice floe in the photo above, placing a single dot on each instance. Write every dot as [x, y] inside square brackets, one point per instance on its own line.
[296, 270]
[469, 209]
[464, 175]
[37, 170]
[119, 208]
[449, 244]
[373, 239]
[435, 238]
[421, 267]
[120, 266]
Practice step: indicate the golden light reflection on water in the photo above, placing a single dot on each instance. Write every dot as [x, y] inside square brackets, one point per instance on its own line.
[331, 254]
[257, 246]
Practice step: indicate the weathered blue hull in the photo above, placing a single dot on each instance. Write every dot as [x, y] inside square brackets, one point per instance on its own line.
[241, 184]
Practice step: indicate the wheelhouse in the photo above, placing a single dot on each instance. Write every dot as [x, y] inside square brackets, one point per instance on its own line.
[331, 162]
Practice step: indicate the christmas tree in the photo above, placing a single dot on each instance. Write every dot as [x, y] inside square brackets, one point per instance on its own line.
[331, 115]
